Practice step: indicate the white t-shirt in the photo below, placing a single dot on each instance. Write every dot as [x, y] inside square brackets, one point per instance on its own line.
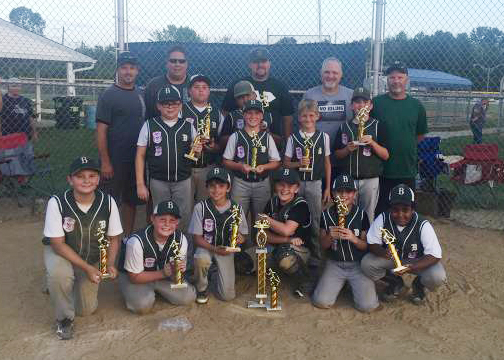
[134, 261]
[229, 153]
[143, 137]
[428, 237]
[53, 226]
[289, 148]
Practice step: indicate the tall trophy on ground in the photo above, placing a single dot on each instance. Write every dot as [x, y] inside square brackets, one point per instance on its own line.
[177, 258]
[389, 239]
[256, 145]
[274, 302]
[235, 224]
[103, 245]
[261, 239]
[362, 117]
[308, 145]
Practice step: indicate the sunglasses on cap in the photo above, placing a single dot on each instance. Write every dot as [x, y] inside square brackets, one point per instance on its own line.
[180, 61]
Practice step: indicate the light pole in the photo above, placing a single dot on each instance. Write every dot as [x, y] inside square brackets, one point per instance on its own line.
[489, 71]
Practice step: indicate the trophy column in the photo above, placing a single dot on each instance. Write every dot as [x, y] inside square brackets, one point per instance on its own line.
[177, 257]
[274, 303]
[390, 239]
[103, 245]
[261, 252]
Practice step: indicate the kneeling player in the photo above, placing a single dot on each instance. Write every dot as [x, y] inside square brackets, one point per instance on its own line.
[345, 247]
[211, 226]
[148, 258]
[290, 229]
[416, 243]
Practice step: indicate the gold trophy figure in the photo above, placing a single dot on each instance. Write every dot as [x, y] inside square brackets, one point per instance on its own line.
[205, 134]
[177, 258]
[235, 224]
[308, 145]
[274, 303]
[256, 144]
[203, 131]
[192, 154]
[390, 239]
[261, 239]
[362, 118]
[103, 245]
[343, 211]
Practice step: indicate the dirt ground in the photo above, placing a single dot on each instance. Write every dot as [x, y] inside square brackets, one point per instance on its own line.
[463, 320]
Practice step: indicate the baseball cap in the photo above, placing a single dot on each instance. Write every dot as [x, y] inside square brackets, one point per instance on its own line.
[199, 77]
[126, 58]
[243, 87]
[253, 105]
[397, 66]
[83, 163]
[219, 174]
[169, 93]
[290, 176]
[167, 207]
[361, 93]
[344, 181]
[259, 54]
[401, 194]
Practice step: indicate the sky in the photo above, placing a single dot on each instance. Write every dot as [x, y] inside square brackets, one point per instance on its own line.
[93, 21]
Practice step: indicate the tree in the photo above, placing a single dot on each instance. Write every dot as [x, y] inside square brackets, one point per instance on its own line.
[179, 34]
[287, 40]
[106, 61]
[28, 20]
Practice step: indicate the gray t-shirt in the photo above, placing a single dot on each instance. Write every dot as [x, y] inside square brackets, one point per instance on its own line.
[334, 109]
[196, 224]
[124, 112]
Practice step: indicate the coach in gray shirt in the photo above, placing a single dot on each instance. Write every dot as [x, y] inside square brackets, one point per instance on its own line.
[334, 100]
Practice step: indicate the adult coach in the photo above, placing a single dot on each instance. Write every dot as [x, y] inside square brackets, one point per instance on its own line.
[270, 91]
[176, 75]
[119, 118]
[334, 100]
[405, 123]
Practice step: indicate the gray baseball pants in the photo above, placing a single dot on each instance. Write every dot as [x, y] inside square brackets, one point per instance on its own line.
[312, 192]
[367, 196]
[199, 182]
[225, 273]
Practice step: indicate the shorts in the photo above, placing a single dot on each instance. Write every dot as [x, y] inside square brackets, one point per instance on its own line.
[122, 186]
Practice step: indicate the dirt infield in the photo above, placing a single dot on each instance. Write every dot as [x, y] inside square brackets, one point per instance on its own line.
[463, 320]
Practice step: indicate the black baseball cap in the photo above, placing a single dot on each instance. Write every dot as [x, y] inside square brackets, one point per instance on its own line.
[219, 173]
[253, 105]
[243, 87]
[199, 77]
[126, 58]
[361, 93]
[290, 176]
[83, 163]
[167, 207]
[401, 194]
[344, 181]
[259, 54]
[397, 66]
[169, 93]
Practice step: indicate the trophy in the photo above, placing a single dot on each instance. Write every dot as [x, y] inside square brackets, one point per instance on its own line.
[177, 258]
[103, 245]
[390, 239]
[308, 144]
[264, 100]
[261, 239]
[256, 144]
[203, 130]
[192, 154]
[205, 133]
[342, 211]
[236, 215]
[362, 118]
[274, 303]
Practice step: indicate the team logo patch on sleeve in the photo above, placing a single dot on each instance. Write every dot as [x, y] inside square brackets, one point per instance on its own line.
[240, 124]
[149, 262]
[158, 151]
[68, 224]
[344, 139]
[240, 152]
[299, 152]
[208, 225]
[366, 151]
[156, 137]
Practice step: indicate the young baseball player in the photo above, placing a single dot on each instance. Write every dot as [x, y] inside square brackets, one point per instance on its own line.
[162, 143]
[318, 160]
[363, 162]
[345, 247]
[416, 243]
[251, 187]
[196, 111]
[290, 229]
[148, 262]
[243, 92]
[75, 222]
[211, 227]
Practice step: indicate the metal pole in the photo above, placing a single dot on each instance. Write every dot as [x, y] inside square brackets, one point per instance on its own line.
[319, 21]
[120, 26]
[379, 8]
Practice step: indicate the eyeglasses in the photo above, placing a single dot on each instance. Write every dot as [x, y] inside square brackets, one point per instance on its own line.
[171, 104]
[180, 61]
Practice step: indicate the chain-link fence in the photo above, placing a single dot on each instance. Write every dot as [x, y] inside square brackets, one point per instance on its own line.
[454, 51]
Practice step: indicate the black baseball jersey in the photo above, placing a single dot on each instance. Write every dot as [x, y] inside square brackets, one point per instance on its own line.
[82, 230]
[408, 241]
[243, 154]
[216, 225]
[234, 121]
[357, 221]
[297, 210]
[191, 114]
[166, 149]
[317, 155]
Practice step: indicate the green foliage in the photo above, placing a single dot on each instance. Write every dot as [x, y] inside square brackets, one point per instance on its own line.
[179, 34]
[287, 40]
[106, 61]
[27, 19]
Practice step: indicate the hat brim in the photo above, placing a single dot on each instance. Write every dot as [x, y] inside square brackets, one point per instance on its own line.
[94, 168]
[169, 213]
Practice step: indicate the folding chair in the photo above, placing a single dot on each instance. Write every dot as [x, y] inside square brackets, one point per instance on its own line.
[430, 163]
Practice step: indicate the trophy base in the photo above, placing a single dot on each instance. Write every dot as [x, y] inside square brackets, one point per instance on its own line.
[399, 268]
[358, 143]
[178, 286]
[277, 308]
[230, 249]
[306, 169]
[254, 304]
[105, 276]
[191, 157]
